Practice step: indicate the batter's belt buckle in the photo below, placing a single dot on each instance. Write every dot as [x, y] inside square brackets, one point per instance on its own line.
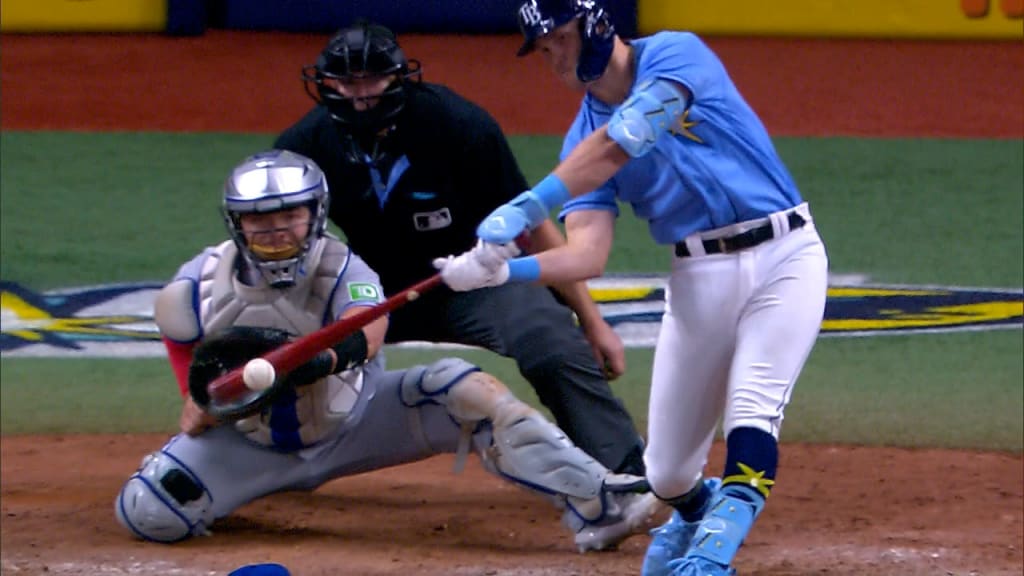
[722, 246]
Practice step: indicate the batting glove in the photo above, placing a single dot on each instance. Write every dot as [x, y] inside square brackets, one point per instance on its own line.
[484, 266]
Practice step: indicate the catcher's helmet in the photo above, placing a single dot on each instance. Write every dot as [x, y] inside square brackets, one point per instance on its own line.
[271, 181]
[537, 18]
[361, 50]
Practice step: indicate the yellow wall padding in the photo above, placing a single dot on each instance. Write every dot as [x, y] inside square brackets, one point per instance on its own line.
[83, 15]
[963, 19]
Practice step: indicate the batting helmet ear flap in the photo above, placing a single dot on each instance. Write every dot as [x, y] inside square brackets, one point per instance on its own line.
[597, 38]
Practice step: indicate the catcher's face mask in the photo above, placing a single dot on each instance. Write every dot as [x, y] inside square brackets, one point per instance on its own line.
[275, 209]
[276, 235]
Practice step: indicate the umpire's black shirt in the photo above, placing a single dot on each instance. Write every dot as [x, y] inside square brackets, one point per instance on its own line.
[449, 167]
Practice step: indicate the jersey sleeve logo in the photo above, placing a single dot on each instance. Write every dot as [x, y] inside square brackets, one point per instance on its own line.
[363, 292]
[683, 125]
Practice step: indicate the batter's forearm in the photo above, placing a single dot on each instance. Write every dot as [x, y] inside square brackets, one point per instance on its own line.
[592, 163]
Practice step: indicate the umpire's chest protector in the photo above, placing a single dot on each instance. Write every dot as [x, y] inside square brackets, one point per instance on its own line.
[443, 177]
[303, 308]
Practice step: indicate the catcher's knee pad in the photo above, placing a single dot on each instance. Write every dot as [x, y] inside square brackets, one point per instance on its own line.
[163, 501]
[433, 383]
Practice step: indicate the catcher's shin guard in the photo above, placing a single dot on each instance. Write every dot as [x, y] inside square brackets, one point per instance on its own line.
[526, 448]
[163, 501]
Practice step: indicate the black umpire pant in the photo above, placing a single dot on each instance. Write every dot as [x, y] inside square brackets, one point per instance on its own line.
[527, 323]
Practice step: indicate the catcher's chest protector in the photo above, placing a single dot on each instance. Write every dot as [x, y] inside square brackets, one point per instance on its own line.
[319, 408]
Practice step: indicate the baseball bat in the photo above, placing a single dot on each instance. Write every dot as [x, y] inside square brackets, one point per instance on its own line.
[295, 353]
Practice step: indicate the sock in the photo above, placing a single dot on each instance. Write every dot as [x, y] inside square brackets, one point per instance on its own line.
[751, 461]
[692, 505]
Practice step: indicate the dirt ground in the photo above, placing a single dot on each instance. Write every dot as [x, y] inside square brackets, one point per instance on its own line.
[837, 510]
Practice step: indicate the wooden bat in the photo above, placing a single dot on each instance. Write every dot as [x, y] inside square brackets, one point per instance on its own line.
[295, 353]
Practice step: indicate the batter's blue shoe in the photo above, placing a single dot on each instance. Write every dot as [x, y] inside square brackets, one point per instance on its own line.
[261, 570]
[671, 540]
[699, 567]
[720, 534]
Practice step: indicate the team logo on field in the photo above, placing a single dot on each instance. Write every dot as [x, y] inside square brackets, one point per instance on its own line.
[634, 307]
[117, 320]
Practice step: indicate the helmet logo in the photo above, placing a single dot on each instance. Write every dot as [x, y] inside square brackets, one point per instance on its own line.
[529, 14]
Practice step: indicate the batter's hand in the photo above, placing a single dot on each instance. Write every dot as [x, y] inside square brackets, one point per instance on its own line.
[483, 266]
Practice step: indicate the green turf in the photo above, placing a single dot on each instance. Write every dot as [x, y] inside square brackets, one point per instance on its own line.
[130, 207]
[909, 391]
[79, 209]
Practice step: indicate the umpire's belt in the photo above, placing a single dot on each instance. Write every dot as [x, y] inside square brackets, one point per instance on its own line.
[743, 240]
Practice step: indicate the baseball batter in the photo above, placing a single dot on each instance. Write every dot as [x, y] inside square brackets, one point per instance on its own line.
[340, 414]
[413, 167]
[663, 128]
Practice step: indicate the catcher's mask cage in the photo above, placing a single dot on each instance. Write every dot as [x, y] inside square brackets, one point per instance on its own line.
[363, 50]
[538, 18]
[268, 182]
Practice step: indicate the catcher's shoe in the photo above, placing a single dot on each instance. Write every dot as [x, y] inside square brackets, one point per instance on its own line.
[627, 514]
[672, 539]
[696, 566]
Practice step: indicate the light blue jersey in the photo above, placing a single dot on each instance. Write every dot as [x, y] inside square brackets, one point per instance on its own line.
[717, 166]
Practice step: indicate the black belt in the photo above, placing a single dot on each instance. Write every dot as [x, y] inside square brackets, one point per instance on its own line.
[741, 241]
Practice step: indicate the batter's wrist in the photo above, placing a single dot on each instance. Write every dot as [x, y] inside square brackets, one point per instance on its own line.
[526, 269]
[551, 191]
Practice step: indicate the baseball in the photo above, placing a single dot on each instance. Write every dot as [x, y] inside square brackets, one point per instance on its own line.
[258, 374]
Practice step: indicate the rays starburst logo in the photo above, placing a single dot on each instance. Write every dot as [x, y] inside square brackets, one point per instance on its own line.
[62, 319]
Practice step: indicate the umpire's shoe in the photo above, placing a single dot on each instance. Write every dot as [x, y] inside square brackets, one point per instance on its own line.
[672, 539]
[626, 514]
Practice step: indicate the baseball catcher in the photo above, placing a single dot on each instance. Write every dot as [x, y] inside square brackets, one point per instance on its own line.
[280, 276]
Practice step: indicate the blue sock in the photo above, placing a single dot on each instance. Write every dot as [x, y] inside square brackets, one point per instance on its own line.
[693, 504]
[751, 461]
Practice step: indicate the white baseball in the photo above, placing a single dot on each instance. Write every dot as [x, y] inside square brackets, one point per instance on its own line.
[258, 374]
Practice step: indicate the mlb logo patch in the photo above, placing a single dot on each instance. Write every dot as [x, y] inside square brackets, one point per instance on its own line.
[435, 220]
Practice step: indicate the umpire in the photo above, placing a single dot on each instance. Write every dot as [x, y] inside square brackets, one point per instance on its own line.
[412, 168]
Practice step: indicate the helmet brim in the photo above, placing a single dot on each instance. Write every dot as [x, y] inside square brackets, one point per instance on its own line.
[526, 48]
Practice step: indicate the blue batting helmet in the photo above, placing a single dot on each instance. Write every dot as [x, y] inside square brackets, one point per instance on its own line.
[537, 18]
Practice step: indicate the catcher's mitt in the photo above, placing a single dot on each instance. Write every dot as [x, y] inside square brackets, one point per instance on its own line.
[220, 353]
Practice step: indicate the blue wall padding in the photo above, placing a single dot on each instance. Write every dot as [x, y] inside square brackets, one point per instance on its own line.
[402, 16]
[186, 17]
